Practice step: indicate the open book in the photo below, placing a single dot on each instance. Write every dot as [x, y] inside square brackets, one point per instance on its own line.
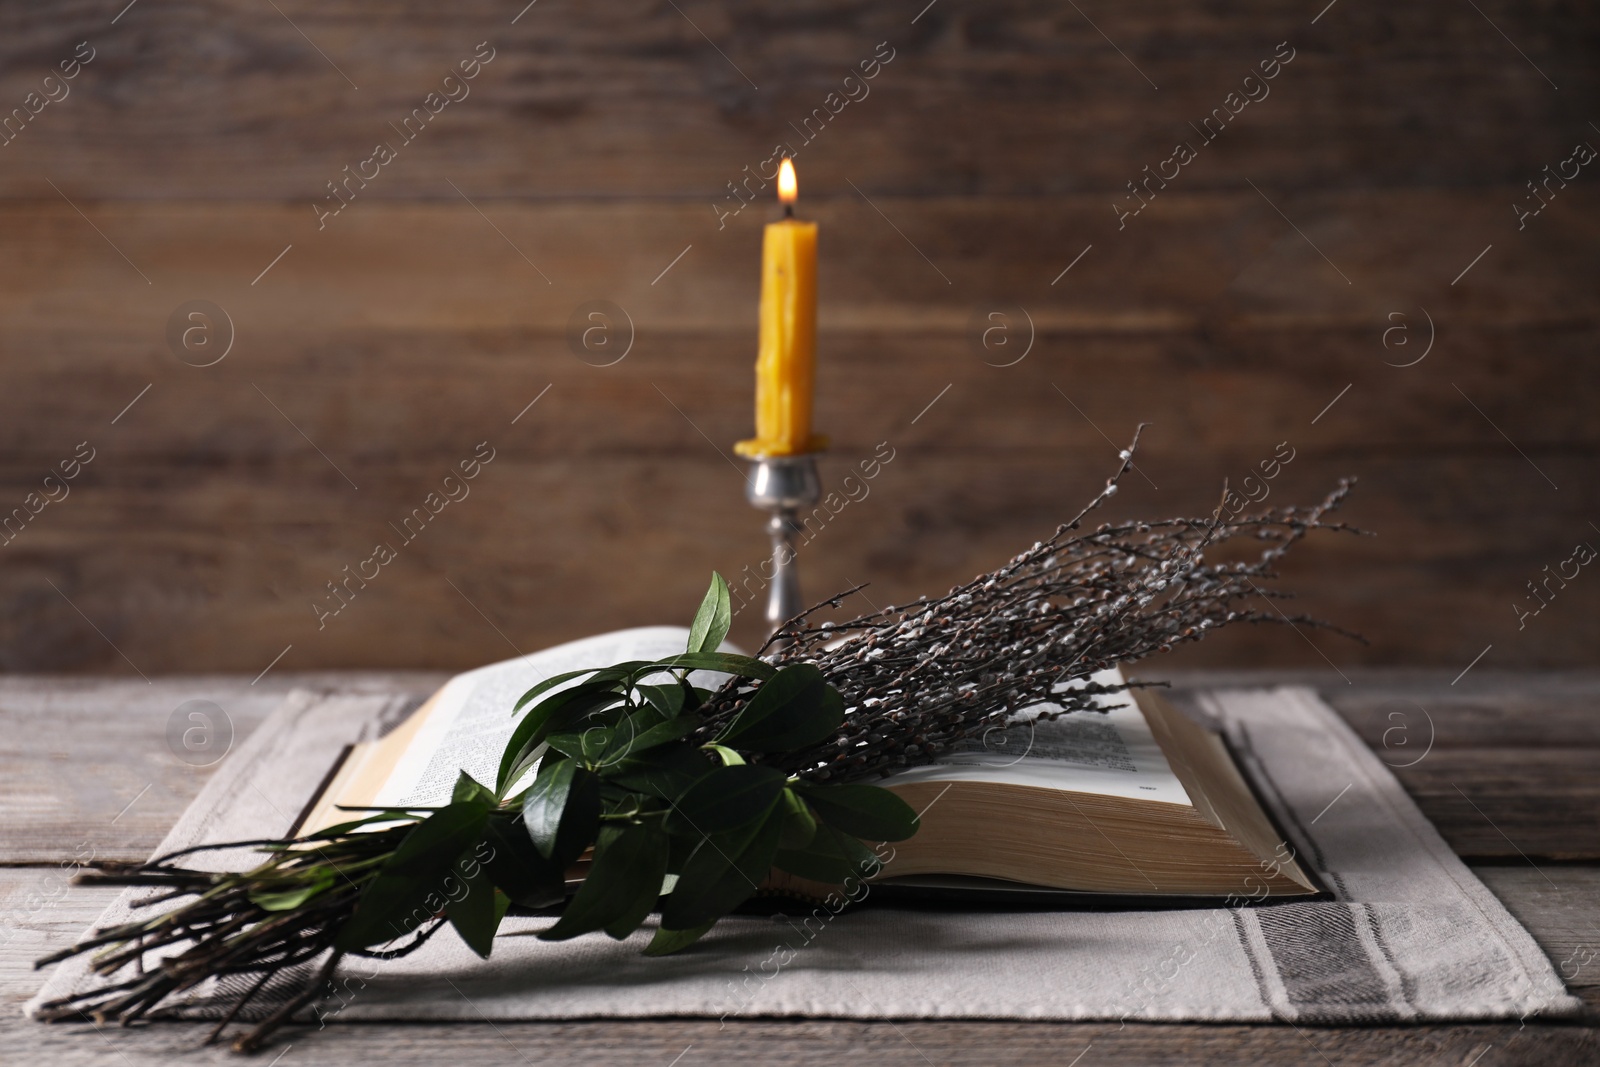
[1136, 801]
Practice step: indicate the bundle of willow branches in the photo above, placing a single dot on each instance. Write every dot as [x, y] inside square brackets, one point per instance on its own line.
[682, 799]
[922, 677]
[262, 922]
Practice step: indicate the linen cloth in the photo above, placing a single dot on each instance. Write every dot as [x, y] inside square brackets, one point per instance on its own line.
[1411, 934]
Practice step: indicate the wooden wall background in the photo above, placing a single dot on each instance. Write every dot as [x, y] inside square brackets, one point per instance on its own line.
[378, 351]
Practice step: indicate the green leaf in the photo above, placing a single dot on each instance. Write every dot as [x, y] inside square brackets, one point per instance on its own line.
[408, 889]
[864, 811]
[602, 675]
[391, 906]
[602, 746]
[723, 873]
[664, 771]
[289, 899]
[468, 788]
[667, 941]
[666, 699]
[562, 811]
[725, 662]
[546, 803]
[831, 857]
[435, 842]
[682, 848]
[476, 914]
[344, 828]
[635, 736]
[794, 709]
[516, 866]
[529, 732]
[622, 885]
[799, 825]
[711, 622]
[728, 756]
[585, 747]
[549, 716]
[725, 799]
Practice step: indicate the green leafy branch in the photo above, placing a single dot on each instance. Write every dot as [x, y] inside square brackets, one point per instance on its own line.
[616, 779]
[610, 779]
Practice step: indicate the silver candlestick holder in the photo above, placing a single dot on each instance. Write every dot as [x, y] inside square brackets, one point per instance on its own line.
[783, 486]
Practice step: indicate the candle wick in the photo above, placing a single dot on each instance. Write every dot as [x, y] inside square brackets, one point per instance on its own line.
[788, 211]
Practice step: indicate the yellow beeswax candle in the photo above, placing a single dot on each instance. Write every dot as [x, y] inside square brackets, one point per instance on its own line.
[785, 365]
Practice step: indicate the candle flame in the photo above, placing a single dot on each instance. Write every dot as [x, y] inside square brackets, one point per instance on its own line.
[788, 188]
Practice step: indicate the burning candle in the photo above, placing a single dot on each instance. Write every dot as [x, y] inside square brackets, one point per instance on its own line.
[785, 365]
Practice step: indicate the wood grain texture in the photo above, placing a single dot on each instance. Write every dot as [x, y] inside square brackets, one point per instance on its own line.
[825, 1043]
[42, 911]
[90, 767]
[1519, 715]
[221, 98]
[94, 769]
[1247, 304]
[233, 478]
[230, 566]
[1558, 907]
[1198, 262]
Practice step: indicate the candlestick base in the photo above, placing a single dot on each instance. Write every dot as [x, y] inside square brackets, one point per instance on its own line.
[783, 486]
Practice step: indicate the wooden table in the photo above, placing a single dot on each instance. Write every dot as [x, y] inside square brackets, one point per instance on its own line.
[1510, 779]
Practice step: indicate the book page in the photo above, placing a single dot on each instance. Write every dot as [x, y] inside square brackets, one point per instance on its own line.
[1110, 753]
[472, 720]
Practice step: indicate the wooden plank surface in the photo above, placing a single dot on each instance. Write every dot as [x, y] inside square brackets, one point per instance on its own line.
[239, 490]
[991, 100]
[825, 1044]
[593, 154]
[1227, 260]
[1561, 908]
[40, 910]
[228, 565]
[1543, 724]
[93, 767]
